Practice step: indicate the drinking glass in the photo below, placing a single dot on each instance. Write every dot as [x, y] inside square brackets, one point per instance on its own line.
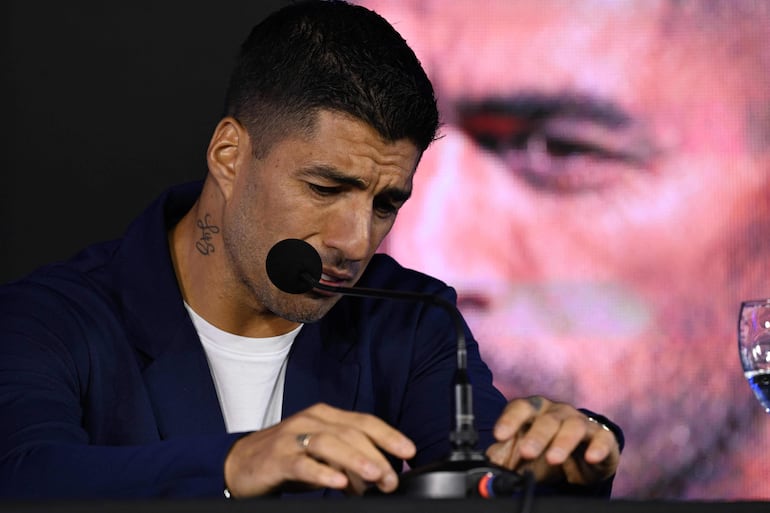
[754, 347]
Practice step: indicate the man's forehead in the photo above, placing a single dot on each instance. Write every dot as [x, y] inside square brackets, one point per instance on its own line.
[344, 148]
[645, 56]
[473, 49]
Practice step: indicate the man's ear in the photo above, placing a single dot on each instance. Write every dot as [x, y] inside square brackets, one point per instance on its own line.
[229, 151]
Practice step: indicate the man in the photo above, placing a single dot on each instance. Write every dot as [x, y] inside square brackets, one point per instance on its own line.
[600, 201]
[167, 363]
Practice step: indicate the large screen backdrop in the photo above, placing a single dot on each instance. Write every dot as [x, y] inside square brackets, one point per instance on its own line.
[600, 200]
[599, 197]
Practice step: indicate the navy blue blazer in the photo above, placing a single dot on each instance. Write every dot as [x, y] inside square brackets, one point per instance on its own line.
[105, 390]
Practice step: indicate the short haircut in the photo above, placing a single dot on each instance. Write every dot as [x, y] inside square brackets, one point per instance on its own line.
[329, 55]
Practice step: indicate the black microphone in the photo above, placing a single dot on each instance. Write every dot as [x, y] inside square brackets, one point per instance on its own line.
[294, 266]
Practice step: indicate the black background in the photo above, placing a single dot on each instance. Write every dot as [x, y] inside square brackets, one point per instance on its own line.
[104, 105]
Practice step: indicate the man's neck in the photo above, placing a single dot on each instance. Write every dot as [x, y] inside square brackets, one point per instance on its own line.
[208, 284]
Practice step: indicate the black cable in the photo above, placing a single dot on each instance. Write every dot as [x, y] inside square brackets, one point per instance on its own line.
[528, 495]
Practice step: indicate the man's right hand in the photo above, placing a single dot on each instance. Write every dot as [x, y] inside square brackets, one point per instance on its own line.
[321, 446]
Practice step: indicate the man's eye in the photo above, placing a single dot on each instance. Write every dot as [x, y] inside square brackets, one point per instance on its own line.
[553, 146]
[323, 190]
[385, 207]
[495, 144]
[566, 148]
[563, 163]
[473, 301]
[560, 144]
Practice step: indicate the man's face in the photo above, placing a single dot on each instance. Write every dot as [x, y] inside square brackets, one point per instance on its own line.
[593, 200]
[338, 189]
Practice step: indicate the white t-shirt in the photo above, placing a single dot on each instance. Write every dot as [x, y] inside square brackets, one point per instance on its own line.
[248, 374]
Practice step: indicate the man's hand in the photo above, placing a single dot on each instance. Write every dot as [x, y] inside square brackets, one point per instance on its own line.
[555, 441]
[321, 446]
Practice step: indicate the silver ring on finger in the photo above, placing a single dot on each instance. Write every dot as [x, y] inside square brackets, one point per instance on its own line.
[303, 440]
[600, 424]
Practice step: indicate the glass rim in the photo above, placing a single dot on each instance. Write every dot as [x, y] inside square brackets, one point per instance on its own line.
[756, 302]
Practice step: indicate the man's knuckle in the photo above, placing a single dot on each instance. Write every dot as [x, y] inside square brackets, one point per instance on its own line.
[297, 466]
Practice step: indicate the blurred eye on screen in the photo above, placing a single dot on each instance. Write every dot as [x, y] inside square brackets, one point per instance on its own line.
[563, 145]
[472, 301]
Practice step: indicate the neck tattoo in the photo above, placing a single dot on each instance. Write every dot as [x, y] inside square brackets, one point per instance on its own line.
[204, 244]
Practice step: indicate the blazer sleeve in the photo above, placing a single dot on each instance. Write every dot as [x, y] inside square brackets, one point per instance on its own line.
[45, 449]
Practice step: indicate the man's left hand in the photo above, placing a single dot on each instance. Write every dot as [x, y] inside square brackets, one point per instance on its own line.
[555, 441]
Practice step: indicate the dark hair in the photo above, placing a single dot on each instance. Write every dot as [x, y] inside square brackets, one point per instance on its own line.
[329, 55]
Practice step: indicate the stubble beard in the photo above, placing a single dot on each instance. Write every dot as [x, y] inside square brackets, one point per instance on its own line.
[247, 262]
[302, 308]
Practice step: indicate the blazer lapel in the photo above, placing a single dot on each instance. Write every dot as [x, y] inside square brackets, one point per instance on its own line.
[322, 367]
[179, 383]
[181, 388]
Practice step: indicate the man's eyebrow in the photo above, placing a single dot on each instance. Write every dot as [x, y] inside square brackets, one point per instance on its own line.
[333, 174]
[535, 108]
[396, 194]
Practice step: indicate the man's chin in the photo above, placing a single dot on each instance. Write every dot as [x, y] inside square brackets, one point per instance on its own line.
[306, 308]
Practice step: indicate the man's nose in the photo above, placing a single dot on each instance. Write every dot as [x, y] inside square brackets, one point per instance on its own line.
[350, 232]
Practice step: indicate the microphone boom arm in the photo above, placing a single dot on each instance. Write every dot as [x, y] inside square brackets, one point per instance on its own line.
[465, 436]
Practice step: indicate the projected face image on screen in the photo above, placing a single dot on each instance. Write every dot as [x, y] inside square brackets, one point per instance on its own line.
[601, 200]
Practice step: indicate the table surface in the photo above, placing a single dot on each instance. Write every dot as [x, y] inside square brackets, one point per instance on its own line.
[383, 505]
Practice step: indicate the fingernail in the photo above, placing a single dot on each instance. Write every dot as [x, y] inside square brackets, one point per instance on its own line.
[337, 481]
[594, 455]
[390, 481]
[370, 471]
[531, 448]
[495, 458]
[406, 447]
[556, 455]
[502, 432]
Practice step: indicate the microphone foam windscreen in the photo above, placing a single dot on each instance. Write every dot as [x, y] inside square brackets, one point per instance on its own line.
[289, 261]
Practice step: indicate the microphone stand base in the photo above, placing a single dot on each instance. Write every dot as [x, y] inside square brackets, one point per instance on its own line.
[453, 479]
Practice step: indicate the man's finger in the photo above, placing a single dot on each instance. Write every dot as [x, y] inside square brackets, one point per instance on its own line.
[506, 454]
[602, 445]
[381, 434]
[308, 470]
[353, 452]
[538, 436]
[570, 434]
[517, 414]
